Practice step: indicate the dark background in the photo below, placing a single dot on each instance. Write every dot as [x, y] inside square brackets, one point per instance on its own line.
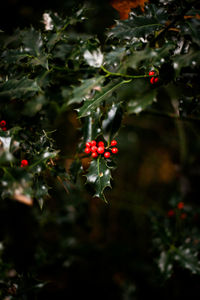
[79, 246]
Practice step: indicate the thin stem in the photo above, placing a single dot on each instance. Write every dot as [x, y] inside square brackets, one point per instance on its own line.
[123, 75]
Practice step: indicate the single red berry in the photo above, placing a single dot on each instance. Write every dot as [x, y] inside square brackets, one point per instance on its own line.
[171, 213]
[24, 163]
[100, 149]
[152, 80]
[113, 143]
[4, 128]
[101, 144]
[107, 154]
[3, 123]
[151, 73]
[114, 150]
[155, 79]
[183, 216]
[93, 143]
[94, 148]
[94, 155]
[87, 150]
[180, 205]
[88, 145]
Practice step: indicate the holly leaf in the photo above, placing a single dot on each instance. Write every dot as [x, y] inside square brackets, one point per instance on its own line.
[112, 121]
[141, 102]
[190, 59]
[17, 88]
[99, 176]
[106, 92]
[91, 126]
[138, 26]
[32, 41]
[34, 46]
[83, 91]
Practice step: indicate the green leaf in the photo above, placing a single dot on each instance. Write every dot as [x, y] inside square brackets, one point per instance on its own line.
[106, 92]
[34, 46]
[149, 57]
[141, 102]
[32, 41]
[188, 258]
[165, 263]
[191, 26]
[99, 176]
[112, 121]
[91, 126]
[141, 25]
[17, 88]
[191, 59]
[83, 91]
[13, 56]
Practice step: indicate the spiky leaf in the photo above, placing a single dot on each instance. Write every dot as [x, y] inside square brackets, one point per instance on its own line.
[99, 176]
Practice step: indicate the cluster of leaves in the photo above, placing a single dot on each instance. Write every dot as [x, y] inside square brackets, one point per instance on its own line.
[45, 73]
[176, 239]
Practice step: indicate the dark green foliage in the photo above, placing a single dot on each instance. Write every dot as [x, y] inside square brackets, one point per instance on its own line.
[46, 74]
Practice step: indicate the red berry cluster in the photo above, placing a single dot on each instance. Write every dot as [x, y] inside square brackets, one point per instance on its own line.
[180, 206]
[96, 149]
[24, 163]
[3, 125]
[154, 79]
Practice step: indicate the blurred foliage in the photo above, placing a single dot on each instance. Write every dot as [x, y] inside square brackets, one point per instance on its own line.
[60, 87]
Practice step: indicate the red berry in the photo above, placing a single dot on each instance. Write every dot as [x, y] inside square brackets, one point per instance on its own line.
[114, 150]
[113, 143]
[183, 216]
[94, 148]
[24, 163]
[93, 143]
[2, 123]
[107, 154]
[100, 149]
[180, 205]
[171, 213]
[94, 155]
[87, 150]
[152, 80]
[101, 144]
[4, 128]
[151, 73]
[88, 145]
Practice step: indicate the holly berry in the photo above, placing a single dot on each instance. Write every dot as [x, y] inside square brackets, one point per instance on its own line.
[113, 143]
[180, 205]
[4, 128]
[171, 213]
[151, 73]
[87, 150]
[154, 80]
[100, 149]
[101, 144]
[24, 163]
[3, 123]
[114, 150]
[94, 155]
[88, 144]
[107, 154]
[183, 216]
[93, 143]
[94, 148]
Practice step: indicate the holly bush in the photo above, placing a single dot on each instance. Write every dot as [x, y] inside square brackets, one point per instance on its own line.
[147, 65]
